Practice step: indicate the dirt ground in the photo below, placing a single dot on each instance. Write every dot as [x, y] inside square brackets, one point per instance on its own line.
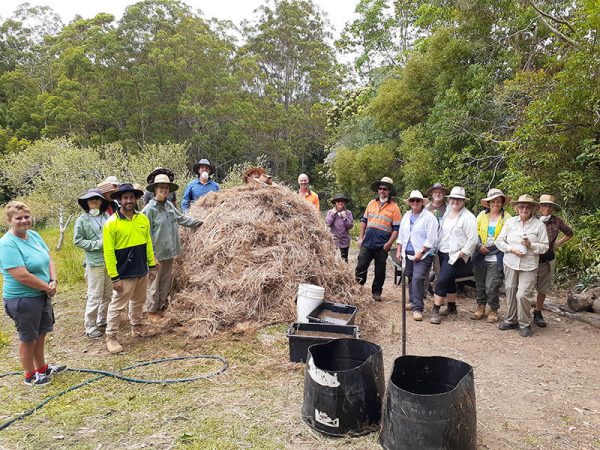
[538, 392]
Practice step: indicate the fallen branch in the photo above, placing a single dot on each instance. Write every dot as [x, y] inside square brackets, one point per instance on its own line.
[560, 310]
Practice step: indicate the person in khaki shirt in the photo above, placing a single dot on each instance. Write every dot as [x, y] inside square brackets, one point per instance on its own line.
[522, 239]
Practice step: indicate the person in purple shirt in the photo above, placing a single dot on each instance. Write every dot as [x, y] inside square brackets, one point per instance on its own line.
[200, 186]
[340, 222]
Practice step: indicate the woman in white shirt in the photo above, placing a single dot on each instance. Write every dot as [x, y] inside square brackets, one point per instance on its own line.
[457, 241]
[417, 239]
[522, 239]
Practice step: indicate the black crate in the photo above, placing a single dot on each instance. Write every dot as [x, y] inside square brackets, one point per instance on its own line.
[299, 343]
[348, 310]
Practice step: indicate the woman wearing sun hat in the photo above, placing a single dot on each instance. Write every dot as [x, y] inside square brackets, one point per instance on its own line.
[150, 179]
[457, 241]
[163, 218]
[522, 239]
[340, 221]
[87, 235]
[417, 238]
[488, 260]
[545, 276]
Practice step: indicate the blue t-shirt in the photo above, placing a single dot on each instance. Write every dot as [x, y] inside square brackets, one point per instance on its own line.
[31, 253]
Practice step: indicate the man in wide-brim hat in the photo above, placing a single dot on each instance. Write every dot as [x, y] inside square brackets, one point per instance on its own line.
[165, 242]
[129, 257]
[253, 174]
[340, 221]
[545, 275]
[378, 230]
[150, 179]
[437, 206]
[199, 186]
[87, 235]
[522, 239]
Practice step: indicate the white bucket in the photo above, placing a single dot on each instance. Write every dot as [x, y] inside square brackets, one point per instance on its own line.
[309, 297]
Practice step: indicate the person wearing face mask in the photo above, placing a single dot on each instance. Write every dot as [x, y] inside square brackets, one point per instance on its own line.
[87, 235]
[29, 283]
[200, 186]
[522, 239]
[545, 274]
[129, 258]
[340, 221]
[457, 241]
[163, 218]
[379, 227]
[487, 259]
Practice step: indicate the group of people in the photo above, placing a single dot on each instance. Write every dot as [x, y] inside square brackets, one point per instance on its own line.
[124, 250]
[441, 233]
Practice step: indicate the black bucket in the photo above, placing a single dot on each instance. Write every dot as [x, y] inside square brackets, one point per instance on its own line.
[429, 404]
[343, 387]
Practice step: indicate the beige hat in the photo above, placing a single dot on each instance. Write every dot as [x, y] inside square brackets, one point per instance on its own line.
[437, 186]
[254, 172]
[417, 194]
[386, 181]
[547, 199]
[162, 178]
[457, 192]
[491, 195]
[525, 198]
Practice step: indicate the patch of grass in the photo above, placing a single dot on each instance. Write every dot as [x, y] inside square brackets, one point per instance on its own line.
[68, 260]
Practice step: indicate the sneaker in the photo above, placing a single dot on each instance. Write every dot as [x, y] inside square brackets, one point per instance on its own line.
[54, 369]
[417, 316]
[538, 319]
[479, 313]
[493, 316]
[508, 326]
[526, 331]
[450, 309]
[113, 345]
[409, 306]
[37, 379]
[435, 317]
[95, 334]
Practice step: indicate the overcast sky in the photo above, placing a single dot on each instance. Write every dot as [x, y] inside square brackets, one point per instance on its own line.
[338, 11]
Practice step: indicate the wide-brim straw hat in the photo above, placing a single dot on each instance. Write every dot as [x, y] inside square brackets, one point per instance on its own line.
[458, 192]
[258, 170]
[386, 181]
[340, 196]
[437, 186]
[162, 178]
[127, 187]
[491, 195]
[525, 198]
[203, 162]
[93, 193]
[548, 200]
[416, 194]
[108, 186]
[158, 171]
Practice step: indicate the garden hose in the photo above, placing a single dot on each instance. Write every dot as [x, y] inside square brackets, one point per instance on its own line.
[104, 373]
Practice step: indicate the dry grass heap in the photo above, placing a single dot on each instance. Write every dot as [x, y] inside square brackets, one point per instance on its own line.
[244, 264]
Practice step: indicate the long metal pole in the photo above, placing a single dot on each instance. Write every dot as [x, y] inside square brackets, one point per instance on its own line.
[403, 309]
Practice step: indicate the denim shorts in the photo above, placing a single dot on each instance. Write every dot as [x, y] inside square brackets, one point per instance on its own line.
[32, 316]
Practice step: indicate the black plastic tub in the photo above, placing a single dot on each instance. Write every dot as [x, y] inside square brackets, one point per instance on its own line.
[344, 384]
[429, 404]
[315, 333]
[345, 313]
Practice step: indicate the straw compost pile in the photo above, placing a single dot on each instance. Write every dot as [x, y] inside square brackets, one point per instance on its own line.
[244, 264]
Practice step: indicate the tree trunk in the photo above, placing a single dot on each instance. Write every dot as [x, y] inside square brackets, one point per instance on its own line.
[584, 300]
[588, 318]
[62, 227]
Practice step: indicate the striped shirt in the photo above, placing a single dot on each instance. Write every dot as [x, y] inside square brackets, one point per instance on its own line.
[381, 221]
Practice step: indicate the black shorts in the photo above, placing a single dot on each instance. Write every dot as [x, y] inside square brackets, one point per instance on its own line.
[32, 316]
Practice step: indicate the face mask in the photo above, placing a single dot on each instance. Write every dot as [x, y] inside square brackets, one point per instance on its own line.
[544, 218]
[94, 212]
[204, 176]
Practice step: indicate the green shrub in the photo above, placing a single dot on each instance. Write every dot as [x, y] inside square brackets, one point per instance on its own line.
[68, 260]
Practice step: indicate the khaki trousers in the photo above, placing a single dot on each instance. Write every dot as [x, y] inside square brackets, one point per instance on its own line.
[99, 291]
[134, 294]
[520, 291]
[158, 289]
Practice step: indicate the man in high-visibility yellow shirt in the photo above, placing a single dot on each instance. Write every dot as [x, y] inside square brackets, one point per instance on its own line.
[129, 259]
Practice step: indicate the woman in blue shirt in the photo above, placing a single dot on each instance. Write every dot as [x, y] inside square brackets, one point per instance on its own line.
[29, 283]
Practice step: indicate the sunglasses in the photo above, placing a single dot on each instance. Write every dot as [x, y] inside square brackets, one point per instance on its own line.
[414, 200]
[383, 188]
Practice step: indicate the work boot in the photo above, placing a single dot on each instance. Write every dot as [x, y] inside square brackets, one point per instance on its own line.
[526, 331]
[493, 316]
[113, 345]
[417, 316]
[377, 297]
[435, 317]
[479, 313]
[508, 326]
[450, 309]
[538, 319]
[154, 317]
